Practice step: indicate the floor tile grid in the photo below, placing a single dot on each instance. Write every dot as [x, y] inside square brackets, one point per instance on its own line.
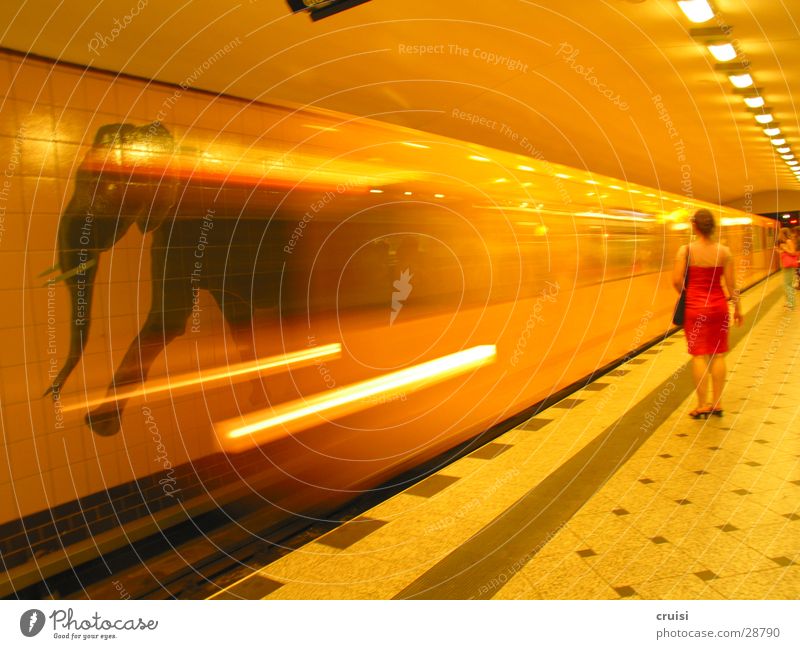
[616, 491]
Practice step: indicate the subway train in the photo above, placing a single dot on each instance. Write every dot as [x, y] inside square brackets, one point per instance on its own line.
[296, 304]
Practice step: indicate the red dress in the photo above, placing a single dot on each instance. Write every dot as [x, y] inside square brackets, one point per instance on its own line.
[707, 319]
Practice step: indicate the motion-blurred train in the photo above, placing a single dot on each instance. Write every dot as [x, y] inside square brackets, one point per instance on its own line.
[309, 308]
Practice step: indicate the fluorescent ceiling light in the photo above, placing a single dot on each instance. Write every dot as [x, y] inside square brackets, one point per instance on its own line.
[787, 156]
[772, 131]
[698, 11]
[778, 141]
[741, 80]
[764, 118]
[479, 158]
[722, 52]
[754, 102]
[783, 149]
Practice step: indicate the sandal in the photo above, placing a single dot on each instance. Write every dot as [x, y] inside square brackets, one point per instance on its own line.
[700, 414]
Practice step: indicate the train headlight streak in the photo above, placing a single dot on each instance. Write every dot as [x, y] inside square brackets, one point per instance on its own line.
[269, 365]
[737, 220]
[601, 215]
[304, 413]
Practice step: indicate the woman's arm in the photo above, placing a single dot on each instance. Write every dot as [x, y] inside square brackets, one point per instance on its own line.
[679, 268]
[733, 290]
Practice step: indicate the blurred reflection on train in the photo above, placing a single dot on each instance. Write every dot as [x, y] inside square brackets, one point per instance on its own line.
[321, 313]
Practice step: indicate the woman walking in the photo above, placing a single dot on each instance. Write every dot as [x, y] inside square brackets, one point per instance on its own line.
[707, 266]
[786, 244]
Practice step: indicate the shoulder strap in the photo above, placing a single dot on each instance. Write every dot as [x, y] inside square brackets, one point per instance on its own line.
[686, 270]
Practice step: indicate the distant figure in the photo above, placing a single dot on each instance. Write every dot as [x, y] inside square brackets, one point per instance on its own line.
[707, 319]
[788, 249]
[402, 291]
[796, 235]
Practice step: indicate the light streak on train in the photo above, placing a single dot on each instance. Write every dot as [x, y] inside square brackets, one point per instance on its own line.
[300, 414]
[262, 367]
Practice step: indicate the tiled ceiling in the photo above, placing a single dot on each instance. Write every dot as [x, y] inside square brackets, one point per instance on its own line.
[618, 87]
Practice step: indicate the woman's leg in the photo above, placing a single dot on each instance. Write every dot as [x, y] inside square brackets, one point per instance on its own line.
[718, 371]
[788, 274]
[700, 376]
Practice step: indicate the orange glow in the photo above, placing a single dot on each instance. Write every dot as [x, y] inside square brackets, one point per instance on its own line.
[226, 165]
[264, 366]
[272, 423]
[736, 220]
[601, 215]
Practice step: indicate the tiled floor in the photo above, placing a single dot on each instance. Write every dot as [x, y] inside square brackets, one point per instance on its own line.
[582, 503]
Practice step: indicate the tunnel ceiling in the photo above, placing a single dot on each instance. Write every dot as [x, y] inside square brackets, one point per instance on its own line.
[618, 87]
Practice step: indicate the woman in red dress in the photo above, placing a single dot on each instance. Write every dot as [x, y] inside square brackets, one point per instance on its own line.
[706, 323]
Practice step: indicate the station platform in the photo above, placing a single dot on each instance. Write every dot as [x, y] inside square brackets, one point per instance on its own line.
[612, 493]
